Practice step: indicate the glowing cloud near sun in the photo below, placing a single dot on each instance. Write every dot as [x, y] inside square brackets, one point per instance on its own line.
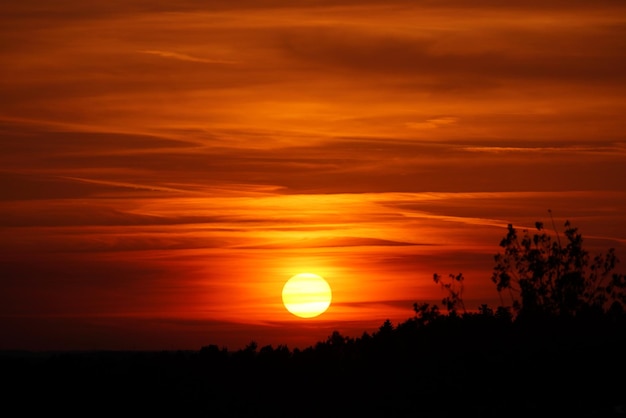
[307, 295]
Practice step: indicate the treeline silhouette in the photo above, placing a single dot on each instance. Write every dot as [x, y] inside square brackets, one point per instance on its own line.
[558, 349]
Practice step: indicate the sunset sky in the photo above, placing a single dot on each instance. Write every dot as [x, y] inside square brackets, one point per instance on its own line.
[167, 165]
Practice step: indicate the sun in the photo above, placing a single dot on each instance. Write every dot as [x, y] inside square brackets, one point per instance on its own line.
[307, 295]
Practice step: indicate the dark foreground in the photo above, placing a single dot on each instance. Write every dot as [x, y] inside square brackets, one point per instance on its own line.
[472, 367]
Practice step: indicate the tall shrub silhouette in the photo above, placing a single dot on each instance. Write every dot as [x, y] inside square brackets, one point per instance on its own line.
[454, 287]
[544, 276]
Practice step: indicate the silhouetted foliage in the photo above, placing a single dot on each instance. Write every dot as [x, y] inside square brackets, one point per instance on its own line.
[425, 313]
[454, 287]
[543, 277]
[385, 329]
[503, 313]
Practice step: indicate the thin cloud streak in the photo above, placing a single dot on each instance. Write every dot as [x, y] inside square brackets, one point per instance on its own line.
[617, 148]
[185, 57]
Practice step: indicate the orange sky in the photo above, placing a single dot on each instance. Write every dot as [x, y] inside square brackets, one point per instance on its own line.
[167, 165]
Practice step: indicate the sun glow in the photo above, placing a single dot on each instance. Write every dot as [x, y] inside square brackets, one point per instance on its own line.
[307, 295]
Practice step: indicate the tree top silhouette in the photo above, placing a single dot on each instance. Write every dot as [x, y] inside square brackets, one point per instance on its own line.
[539, 274]
[544, 276]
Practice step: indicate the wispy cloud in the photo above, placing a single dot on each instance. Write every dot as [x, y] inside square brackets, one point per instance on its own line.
[433, 123]
[185, 57]
[564, 149]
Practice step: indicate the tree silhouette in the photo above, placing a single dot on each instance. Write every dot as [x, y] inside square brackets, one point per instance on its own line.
[454, 287]
[425, 313]
[542, 276]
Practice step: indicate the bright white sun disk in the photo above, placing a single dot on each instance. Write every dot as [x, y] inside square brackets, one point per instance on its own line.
[307, 295]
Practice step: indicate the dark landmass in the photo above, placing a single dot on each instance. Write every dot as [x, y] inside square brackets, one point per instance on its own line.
[471, 365]
[558, 350]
